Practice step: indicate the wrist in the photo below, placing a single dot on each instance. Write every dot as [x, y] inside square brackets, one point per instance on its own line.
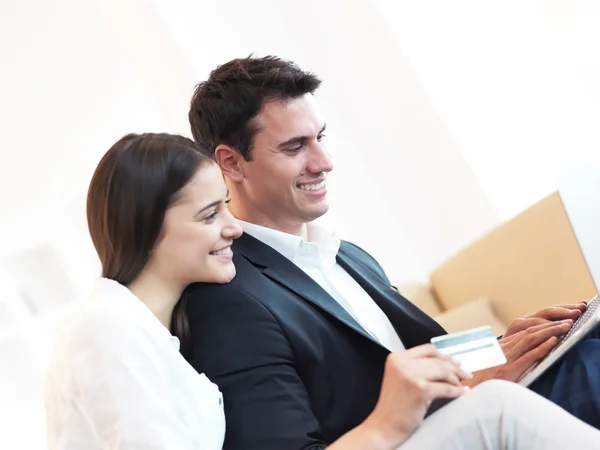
[478, 377]
[381, 437]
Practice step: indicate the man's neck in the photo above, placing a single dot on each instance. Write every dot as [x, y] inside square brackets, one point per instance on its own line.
[263, 220]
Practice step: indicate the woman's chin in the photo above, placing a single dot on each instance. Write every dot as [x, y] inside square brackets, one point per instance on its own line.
[226, 276]
[218, 275]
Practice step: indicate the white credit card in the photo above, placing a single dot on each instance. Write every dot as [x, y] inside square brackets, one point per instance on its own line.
[475, 349]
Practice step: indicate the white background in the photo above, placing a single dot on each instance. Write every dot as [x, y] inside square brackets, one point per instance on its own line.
[444, 118]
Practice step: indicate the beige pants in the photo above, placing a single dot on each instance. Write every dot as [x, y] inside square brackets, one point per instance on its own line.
[498, 415]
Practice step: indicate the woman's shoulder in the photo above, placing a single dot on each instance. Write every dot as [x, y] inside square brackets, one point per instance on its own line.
[101, 322]
[89, 328]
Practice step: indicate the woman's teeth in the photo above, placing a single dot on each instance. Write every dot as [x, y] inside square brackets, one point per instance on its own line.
[222, 252]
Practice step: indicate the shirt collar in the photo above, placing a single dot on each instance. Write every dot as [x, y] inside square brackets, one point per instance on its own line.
[289, 244]
[326, 241]
[106, 289]
[284, 243]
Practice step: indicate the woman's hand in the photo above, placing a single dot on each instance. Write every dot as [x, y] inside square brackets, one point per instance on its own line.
[412, 379]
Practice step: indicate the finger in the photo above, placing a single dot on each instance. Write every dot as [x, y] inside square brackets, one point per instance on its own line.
[557, 313]
[447, 377]
[536, 336]
[442, 370]
[429, 351]
[424, 351]
[578, 305]
[460, 372]
[524, 323]
[437, 389]
[430, 369]
[518, 367]
[454, 366]
[440, 356]
[534, 329]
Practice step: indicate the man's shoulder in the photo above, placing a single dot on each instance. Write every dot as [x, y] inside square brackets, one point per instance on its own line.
[352, 250]
[240, 292]
[246, 274]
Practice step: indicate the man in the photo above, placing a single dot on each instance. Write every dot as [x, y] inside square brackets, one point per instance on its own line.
[298, 340]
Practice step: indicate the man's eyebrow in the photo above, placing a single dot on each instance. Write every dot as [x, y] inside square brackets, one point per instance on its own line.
[298, 139]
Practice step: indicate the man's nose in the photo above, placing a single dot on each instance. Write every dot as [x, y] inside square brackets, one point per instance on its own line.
[320, 160]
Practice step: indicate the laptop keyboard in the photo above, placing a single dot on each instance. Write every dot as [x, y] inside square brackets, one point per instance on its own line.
[589, 312]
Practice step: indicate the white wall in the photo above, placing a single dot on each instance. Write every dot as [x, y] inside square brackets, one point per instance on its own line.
[443, 117]
[70, 87]
[516, 83]
[403, 190]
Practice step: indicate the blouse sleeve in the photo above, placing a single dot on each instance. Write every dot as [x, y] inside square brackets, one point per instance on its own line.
[121, 391]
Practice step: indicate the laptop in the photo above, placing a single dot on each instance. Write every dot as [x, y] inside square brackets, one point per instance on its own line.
[579, 191]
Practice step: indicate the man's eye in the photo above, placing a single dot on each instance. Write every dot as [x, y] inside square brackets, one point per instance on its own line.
[321, 136]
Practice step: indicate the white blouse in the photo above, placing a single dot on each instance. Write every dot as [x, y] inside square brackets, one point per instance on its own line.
[117, 381]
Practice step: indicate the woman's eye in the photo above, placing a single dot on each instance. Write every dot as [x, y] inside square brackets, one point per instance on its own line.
[210, 217]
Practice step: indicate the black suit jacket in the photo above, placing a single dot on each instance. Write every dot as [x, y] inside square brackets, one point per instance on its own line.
[296, 370]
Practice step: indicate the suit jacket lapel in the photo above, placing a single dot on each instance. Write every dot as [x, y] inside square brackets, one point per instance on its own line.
[281, 270]
[412, 325]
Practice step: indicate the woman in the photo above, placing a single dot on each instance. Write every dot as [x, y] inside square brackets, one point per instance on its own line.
[158, 218]
[157, 214]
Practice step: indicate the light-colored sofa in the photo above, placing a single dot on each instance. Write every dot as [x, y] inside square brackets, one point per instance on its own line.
[525, 264]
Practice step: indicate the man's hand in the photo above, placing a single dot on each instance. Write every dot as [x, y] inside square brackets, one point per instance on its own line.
[547, 315]
[529, 339]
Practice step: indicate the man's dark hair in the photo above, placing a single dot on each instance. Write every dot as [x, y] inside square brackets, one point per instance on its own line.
[223, 106]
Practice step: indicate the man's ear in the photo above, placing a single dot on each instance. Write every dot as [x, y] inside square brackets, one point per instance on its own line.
[229, 161]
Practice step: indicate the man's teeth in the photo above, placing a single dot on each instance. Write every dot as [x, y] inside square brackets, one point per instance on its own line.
[312, 187]
[224, 251]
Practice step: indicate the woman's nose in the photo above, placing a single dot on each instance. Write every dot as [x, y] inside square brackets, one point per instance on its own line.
[232, 229]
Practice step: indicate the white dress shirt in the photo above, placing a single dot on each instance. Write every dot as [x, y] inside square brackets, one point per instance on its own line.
[317, 258]
[117, 381]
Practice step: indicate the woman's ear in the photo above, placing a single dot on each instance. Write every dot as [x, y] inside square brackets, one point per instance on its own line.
[229, 161]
